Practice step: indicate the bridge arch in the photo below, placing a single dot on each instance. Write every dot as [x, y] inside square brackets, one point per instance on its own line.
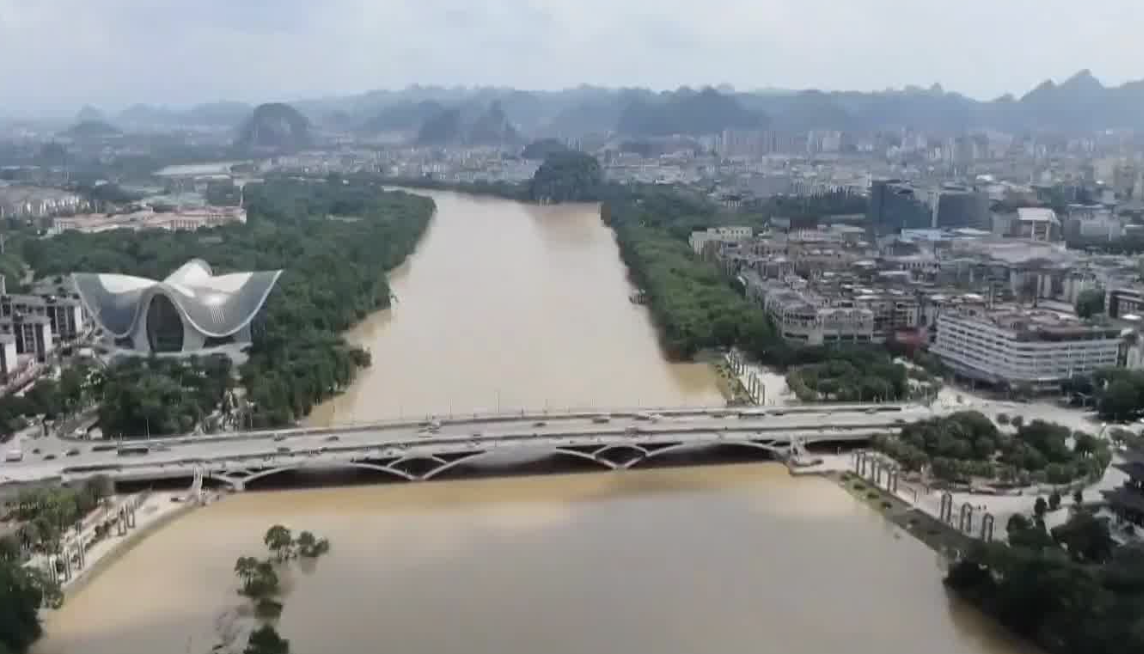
[449, 465]
[743, 443]
[302, 465]
[638, 453]
[587, 457]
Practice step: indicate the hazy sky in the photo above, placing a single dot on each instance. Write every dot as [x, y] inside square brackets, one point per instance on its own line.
[111, 53]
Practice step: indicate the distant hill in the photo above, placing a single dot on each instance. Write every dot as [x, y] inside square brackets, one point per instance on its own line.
[401, 117]
[144, 115]
[492, 128]
[687, 112]
[567, 177]
[214, 114]
[464, 126]
[809, 110]
[445, 128]
[274, 127]
[218, 114]
[89, 114]
[589, 117]
[540, 150]
[91, 129]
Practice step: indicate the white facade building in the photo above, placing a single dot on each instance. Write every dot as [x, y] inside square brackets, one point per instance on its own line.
[1038, 348]
[730, 234]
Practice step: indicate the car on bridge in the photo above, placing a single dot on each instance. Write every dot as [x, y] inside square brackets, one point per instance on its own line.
[601, 419]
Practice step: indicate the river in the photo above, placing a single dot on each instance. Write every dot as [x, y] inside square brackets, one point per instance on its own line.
[510, 305]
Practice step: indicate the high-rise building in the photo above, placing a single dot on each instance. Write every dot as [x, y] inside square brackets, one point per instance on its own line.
[896, 205]
[962, 207]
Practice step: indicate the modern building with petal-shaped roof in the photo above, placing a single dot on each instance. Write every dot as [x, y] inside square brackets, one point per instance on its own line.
[192, 311]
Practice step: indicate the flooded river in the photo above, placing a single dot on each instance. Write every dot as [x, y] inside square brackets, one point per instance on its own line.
[516, 306]
[511, 306]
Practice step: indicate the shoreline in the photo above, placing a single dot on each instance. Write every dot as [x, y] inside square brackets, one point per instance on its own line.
[120, 548]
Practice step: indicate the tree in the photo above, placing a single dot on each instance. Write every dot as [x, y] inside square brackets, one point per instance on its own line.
[1017, 523]
[280, 541]
[1040, 508]
[1086, 538]
[310, 546]
[1030, 535]
[99, 488]
[1054, 501]
[1119, 401]
[23, 591]
[268, 609]
[1089, 303]
[265, 640]
[245, 568]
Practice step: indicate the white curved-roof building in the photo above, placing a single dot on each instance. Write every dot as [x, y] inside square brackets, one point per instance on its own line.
[189, 312]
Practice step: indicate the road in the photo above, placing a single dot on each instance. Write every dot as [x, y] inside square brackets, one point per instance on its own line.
[56, 455]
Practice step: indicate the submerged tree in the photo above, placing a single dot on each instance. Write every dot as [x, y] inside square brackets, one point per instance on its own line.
[280, 541]
[265, 640]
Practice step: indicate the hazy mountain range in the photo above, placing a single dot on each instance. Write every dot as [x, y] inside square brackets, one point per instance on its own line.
[429, 114]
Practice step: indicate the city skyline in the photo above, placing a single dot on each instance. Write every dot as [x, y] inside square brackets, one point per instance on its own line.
[121, 52]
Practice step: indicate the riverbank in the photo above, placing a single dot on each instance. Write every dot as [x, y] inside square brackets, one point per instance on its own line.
[155, 511]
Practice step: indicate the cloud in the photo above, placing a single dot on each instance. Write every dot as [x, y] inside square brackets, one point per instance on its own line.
[116, 52]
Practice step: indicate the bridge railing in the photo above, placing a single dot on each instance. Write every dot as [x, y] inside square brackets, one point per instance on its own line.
[414, 446]
[479, 417]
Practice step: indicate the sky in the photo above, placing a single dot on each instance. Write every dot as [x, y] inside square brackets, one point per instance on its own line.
[61, 54]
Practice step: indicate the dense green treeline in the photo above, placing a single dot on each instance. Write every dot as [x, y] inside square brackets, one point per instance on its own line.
[335, 239]
[967, 445]
[161, 396]
[1071, 590]
[867, 375]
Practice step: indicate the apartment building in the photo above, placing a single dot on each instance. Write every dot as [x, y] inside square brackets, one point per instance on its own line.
[806, 317]
[1028, 347]
[32, 334]
[65, 315]
[8, 360]
[1123, 302]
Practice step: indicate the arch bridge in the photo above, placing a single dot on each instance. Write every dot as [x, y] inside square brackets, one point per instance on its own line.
[426, 460]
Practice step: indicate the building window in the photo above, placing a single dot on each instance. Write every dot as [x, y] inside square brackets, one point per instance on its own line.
[164, 325]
